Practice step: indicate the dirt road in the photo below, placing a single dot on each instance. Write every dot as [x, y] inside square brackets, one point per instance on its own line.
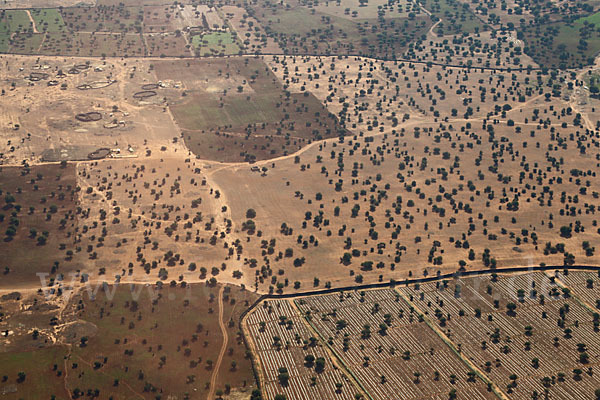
[213, 379]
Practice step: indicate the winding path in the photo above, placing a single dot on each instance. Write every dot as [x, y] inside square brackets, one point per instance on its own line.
[34, 27]
[213, 379]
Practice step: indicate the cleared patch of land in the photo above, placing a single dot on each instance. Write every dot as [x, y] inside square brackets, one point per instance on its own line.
[215, 43]
[38, 117]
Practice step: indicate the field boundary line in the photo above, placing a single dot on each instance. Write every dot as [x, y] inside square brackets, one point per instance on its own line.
[257, 368]
[499, 393]
[283, 54]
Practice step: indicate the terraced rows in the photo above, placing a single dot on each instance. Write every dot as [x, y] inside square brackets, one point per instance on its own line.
[407, 360]
[524, 332]
[496, 339]
[282, 339]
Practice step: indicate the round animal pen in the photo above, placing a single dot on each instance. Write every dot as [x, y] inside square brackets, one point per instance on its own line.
[150, 86]
[38, 76]
[89, 116]
[99, 154]
[145, 94]
[95, 85]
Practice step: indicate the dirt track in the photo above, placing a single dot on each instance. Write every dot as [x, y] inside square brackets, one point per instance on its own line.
[213, 379]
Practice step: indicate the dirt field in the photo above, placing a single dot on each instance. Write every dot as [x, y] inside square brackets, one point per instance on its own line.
[390, 217]
[31, 125]
[37, 221]
[414, 213]
[119, 341]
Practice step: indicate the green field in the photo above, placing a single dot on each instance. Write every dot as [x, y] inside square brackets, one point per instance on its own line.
[593, 19]
[17, 21]
[254, 104]
[328, 34]
[4, 43]
[353, 9]
[286, 21]
[26, 43]
[238, 112]
[4, 35]
[255, 119]
[222, 43]
[456, 19]
[563, 45]
[48, 20]
[116, 19]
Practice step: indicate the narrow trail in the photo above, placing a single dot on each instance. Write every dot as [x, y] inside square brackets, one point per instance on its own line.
[187, 42]
[217, 166]
[35, 30]
[431, 31]
[224, 165]
[66, 374]
[42, 42]
[213, 379]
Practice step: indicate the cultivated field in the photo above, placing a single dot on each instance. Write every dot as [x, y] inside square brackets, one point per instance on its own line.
[290, 357]
[526, 332]
[510, 336]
